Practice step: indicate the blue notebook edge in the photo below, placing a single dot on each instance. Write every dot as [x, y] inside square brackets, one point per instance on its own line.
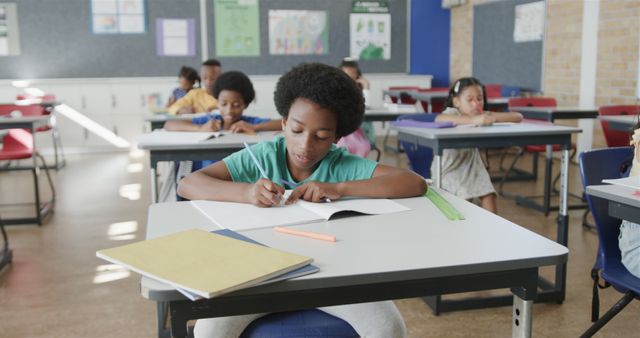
[302, 271]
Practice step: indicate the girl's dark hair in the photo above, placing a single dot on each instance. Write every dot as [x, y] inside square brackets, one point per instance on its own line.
[190, 74]
[350, 63]
[460, 85]
[326, 86]
[235, 81]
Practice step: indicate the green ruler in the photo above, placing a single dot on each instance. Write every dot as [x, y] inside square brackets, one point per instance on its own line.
[445, 207]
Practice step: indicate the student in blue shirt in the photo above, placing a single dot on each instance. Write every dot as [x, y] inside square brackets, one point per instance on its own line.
[234, 93]
[318, 104]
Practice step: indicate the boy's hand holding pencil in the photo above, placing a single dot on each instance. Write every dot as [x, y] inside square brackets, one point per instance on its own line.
[264, 193]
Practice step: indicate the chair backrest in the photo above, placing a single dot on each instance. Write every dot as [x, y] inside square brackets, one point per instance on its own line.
[493, 90]
[420, 157]
[532, 102]
[596, 165]
[615, 138]
[404, 99]
[437, 104]
[26, 110]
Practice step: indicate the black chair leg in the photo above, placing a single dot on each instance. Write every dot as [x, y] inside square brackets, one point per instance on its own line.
[615, 309]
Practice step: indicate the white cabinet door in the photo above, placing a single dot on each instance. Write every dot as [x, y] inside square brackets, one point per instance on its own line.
[127, 99]
[71, 132]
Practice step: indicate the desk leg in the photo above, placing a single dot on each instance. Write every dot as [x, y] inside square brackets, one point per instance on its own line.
[563, 223]
[162, 312]
[154, 184]
[548, 172]
[522, 320]
[438, 173]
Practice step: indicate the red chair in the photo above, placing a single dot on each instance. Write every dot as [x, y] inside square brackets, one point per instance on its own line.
[17, 144]
[38, 110]
[403, 98]
[437, 104]
[616, 138]
[493, 90]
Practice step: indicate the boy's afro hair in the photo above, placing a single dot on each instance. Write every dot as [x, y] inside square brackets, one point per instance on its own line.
[235, 81]
[327, 86]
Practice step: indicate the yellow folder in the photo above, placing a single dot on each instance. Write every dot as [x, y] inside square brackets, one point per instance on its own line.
[204, 263]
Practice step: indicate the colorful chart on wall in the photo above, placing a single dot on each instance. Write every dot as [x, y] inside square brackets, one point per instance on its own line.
[293, 32]
[237, 27]
[175, 37]
[9, 37]
[370, 30]
[118, 16]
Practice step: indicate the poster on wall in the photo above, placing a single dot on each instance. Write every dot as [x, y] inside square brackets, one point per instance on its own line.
[118, 16]
[9, 37]
[175, 37]
[370, 30]
[237, 27]
[529, 22]
[293, 32]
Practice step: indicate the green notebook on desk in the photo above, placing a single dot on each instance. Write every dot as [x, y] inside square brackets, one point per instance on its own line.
[204, 263]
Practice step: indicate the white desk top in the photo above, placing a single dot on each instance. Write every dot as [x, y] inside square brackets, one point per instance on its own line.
[461, 132]
[554, 109]
[158, 140]
[429, 95]
[23, 119]
[626, 119]
[616, 193]
[413, 244]
[171, 117]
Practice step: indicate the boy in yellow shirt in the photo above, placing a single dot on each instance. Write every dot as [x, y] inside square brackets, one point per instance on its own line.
[200, 99]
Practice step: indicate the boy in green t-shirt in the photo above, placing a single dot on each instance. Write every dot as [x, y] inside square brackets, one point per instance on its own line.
[318, 104]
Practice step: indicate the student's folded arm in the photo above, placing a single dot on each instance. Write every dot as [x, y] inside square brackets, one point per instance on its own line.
[454, 118]
[269, 125]
[508, 117]
[181, 126]
[213, 183]
[387, 182]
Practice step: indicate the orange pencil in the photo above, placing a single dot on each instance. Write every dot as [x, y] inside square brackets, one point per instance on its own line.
[314, 235]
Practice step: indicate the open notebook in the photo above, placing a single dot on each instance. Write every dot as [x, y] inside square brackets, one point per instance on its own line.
[241, 216]
[176, 137]
[204, 263]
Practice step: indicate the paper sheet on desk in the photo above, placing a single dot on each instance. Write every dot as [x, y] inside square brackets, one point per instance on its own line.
[176, 137]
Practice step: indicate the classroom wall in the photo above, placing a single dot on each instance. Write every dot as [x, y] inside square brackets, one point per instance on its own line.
[617, 61]
[618, 44]
[430, 41]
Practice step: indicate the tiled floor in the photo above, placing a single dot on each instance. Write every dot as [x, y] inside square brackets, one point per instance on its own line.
[56, 287]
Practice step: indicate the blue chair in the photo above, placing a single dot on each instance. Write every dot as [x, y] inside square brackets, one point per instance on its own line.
[420, 157]
[595, 166]
[304, 323]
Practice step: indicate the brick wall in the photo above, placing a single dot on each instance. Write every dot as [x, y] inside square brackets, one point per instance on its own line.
[617, 62]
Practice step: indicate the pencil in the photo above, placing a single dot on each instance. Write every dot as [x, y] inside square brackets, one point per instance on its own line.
[309, 234]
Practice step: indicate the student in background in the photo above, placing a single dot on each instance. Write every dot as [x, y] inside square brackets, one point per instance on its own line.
[463, 172]
[200, 99]
[359, 142]
[187, 79]
[629, 238]
[234, 92]
[319, 104]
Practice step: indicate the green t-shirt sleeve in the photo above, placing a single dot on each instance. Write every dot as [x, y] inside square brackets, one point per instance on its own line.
[345, 166]
[241, 166]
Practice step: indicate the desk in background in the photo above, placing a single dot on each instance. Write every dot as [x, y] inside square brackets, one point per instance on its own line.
[215, 149]
[429, 96]
[493, 137]
[623, 123]
[376, 258]
[31, 123]
[623, 204]
[157, 120]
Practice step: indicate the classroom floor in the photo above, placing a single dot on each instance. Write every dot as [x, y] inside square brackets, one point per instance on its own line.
[56, 287]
